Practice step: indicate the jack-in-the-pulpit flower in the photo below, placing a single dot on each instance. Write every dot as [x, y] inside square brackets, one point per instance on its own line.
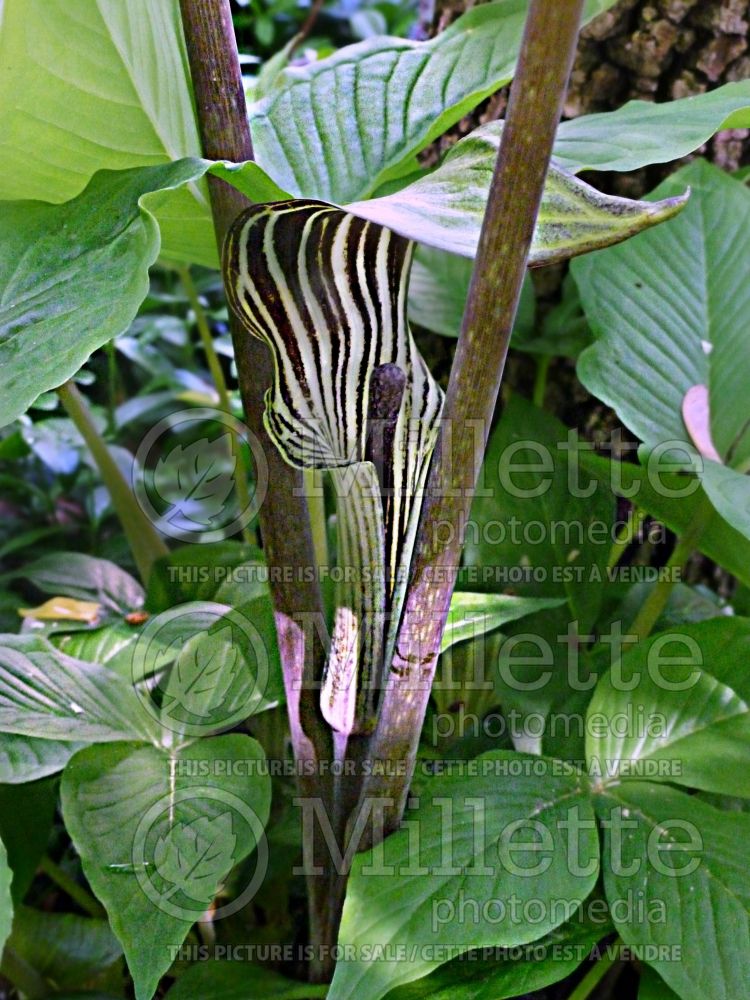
[326, 291]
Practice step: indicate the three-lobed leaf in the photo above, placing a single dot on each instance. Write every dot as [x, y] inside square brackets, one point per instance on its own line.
[669, 312]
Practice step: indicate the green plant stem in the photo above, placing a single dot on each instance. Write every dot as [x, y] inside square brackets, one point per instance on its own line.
[18, 971]
[144, 540]
[625, 536]
[658, 596]
[80, 896]
[594, 976]
[217, 374]
[540, 379]
[534, 109]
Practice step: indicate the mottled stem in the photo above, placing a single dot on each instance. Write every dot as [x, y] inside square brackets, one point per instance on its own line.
[533, 114]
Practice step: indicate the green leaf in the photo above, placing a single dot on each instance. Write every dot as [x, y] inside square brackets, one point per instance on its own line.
[6, 903]
[225, 673]
[74, 275]
[341, 127]
[445, 209]
[93, 86]
[529, 530]
[472, 615]
[65, 948]
[239, 981]
[24, 758]
[26, 814]
[85, 578]
[438, 286]
[645, 362]
[157, 834]
[472, 857]
[642, 132]
[675, 499]
[475, 976]
[662, 715]
[668, 309]
[683, 866]
[44, 693]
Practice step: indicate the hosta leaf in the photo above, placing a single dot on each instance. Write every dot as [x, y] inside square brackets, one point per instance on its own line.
[445, 209]
[339, 128]
[669, 310]
[26, 758]
[44, 693]
[72, 276]
[86, 579]
[642, 132]
[92, 86]
[699, 729]
[158, 833]
[682, 864]
[454, 847]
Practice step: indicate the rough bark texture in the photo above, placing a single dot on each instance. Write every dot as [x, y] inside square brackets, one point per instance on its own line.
[657, 50]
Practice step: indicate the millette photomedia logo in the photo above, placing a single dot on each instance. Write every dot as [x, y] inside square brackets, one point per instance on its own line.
[185, 475]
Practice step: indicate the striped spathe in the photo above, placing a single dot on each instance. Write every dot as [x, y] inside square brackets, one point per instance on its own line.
[326, 291]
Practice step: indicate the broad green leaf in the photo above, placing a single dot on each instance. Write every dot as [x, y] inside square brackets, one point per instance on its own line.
[339, 128]
[157, 835]
[476, 976]
[676, 500]
[86, 579]
[642, 132]
[662, 715]
[438, 286]
[472, 615]
[729, 490]
[64, 948]
[6, 903]
[462, 855]
[669, 313]
[44, 693]
[534, 526]
[445, 209]
[695, 340]
[26, 814]
[687, 863]
[239, 981]
[72, 276]
[26, 758]
[91, 86]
